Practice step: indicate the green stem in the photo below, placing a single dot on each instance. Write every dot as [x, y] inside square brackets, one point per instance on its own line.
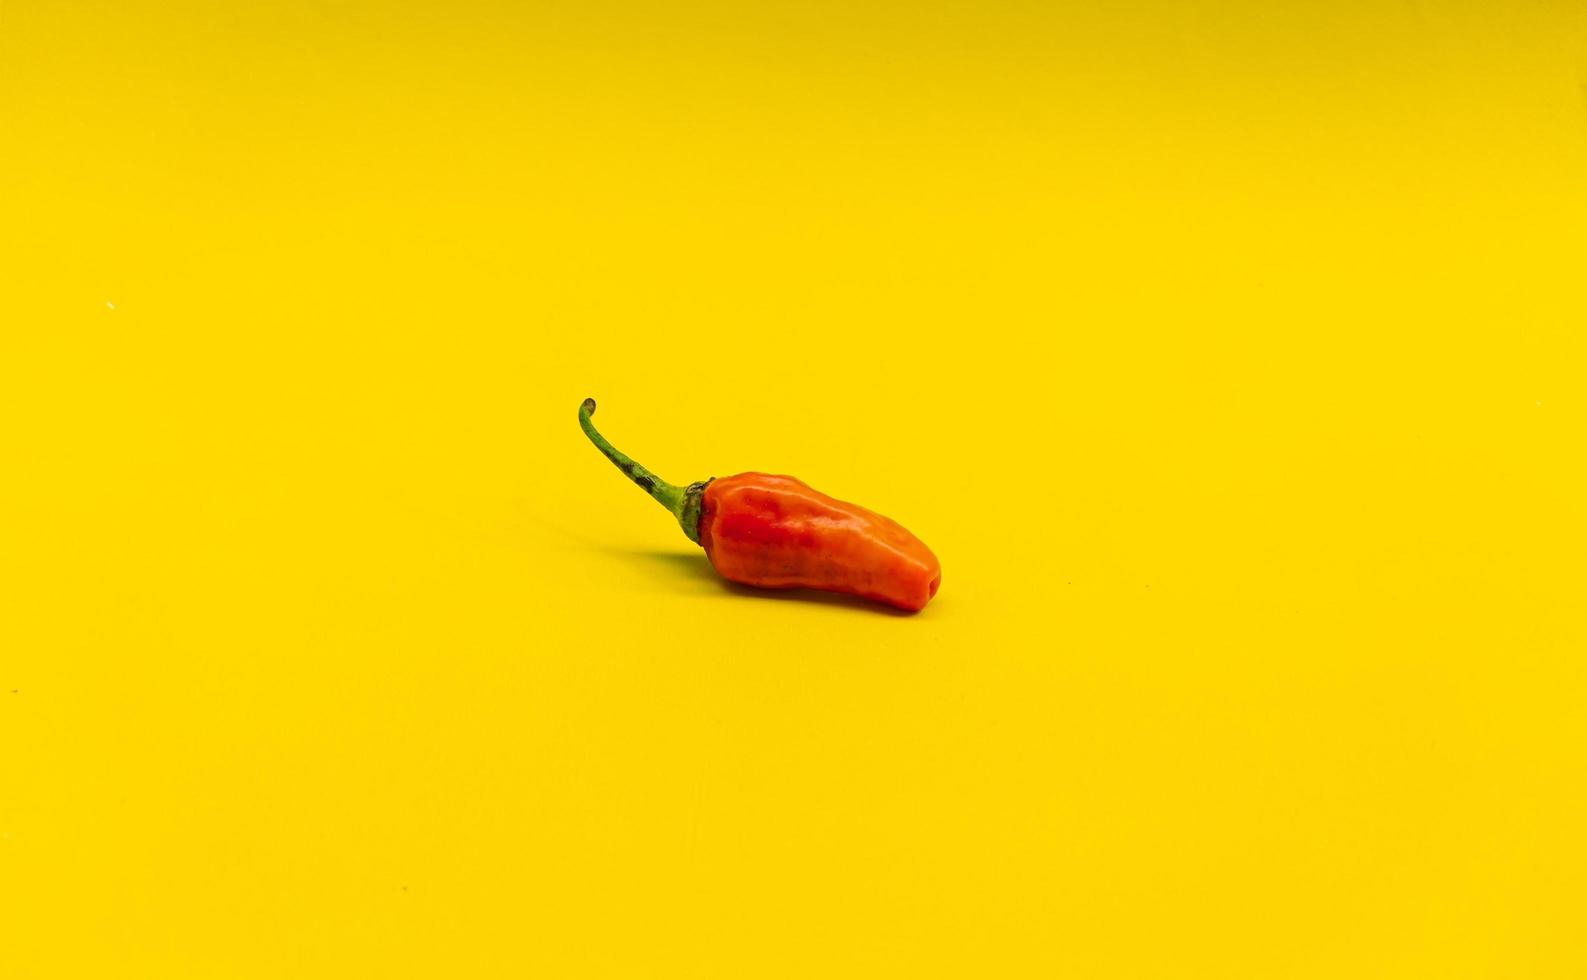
[682, 502]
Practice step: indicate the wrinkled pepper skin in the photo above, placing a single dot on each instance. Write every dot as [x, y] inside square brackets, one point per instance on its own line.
[776, 532]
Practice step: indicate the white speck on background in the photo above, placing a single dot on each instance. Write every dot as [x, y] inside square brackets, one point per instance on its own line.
[109, 305]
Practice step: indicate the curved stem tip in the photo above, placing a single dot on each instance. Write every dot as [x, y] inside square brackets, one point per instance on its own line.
[682, 502]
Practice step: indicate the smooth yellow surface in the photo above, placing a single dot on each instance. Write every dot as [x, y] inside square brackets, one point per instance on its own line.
[1229, 355]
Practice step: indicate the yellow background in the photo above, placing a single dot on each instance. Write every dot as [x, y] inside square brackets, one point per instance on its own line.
[1229, 355]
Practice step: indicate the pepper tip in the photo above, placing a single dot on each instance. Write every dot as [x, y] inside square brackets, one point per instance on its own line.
[588, 406]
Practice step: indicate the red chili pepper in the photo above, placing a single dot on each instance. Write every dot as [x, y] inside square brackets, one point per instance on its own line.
[777, 533]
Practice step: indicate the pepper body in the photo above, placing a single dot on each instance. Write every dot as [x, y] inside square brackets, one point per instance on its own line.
[777, 532]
